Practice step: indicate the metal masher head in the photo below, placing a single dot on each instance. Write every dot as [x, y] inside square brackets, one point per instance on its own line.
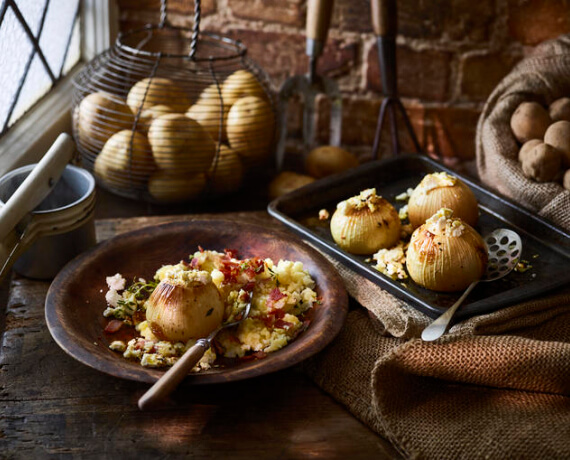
[504, 248]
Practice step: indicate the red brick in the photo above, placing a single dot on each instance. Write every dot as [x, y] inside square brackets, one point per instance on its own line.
[187, 7]
[282, 55]
[447, 132]
[468, 19]
[533, 21]
[137, 13]
[291, 12]
[421, 74]
[480, 73]
[415, 19]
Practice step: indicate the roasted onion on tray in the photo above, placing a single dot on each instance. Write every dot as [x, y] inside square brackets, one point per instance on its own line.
[446, 254]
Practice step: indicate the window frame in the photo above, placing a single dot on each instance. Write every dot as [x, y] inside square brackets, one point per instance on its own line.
[31, 136]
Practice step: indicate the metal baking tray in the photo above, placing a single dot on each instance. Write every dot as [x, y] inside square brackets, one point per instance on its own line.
[545, 246]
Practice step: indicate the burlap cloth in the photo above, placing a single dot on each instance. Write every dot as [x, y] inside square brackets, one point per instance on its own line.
[496, 386]
[544, 76]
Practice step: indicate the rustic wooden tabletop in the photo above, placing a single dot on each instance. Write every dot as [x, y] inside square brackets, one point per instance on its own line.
[56, 407]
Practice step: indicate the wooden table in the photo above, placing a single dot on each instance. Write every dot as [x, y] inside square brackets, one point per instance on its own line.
[55, 407]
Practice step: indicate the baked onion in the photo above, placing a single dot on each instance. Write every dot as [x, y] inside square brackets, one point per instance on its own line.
[441, 190]
[365, 223]
[446, 254]
[186, 305]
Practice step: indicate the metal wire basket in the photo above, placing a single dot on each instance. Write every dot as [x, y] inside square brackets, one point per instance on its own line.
[172, 114]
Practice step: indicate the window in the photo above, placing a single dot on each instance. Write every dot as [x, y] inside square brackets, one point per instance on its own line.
[41, 43]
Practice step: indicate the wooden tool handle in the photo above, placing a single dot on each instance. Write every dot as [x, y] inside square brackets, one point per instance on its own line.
[318, 19]
[37, 185]
[384, 17]
[172, 378]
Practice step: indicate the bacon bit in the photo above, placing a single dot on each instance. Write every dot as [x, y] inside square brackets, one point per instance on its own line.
[186, 264]
[255, 266]
[195, 263]
[140, 344]
[248, 287]
[281, 324]
[231, 253]
[276, 294]
[113, 326]
[200, 248]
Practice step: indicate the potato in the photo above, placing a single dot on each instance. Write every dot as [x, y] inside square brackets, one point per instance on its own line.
[99, 116]
[566, 180]
[560, 109]
[166, 187]
[120, 168]
[151, 114]
[180, 145]
[529, 121]
[542, 163]
[208, 112]
[226, 173]
[250, 128]
[527, 147]
[286, 182]
[327, 160]
[239, 84]
[157, 91]
[558, 135]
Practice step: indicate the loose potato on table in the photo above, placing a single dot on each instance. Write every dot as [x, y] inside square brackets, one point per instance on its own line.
[286, 182]
[529, 121]
[327, 160]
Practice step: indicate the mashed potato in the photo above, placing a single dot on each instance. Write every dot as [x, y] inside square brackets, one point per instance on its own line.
[282, 293]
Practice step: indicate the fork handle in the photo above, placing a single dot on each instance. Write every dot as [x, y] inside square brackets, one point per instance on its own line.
[436, 329]
[172, 378]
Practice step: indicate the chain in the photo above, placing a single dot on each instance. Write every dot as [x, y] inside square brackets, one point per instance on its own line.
[162, 13]
[195, 29]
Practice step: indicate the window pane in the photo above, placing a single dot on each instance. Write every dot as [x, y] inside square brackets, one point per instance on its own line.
[15, 49]
[57, 29]
[24, 78]
[37, 84]
[32, 10]
[74, 52]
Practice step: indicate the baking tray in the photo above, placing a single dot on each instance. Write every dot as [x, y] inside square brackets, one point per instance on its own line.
[545, 246]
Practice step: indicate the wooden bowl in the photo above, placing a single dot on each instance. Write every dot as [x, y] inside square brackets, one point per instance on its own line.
[76, 299]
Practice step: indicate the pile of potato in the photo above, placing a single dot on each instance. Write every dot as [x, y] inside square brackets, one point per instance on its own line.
[179, 145]
[544, 135]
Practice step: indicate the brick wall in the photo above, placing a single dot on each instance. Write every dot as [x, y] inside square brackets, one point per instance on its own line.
[451, 54]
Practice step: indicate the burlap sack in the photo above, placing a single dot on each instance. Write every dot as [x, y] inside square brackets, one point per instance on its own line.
[543, 77]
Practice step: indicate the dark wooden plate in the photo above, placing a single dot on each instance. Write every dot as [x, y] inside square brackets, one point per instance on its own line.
[76, 299]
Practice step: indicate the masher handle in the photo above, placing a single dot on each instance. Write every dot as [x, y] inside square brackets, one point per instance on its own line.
[384, 17]
[318, 20]
[172, 378]
[37, 185]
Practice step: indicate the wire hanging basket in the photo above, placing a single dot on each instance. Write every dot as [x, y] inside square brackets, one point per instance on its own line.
[171, 114]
